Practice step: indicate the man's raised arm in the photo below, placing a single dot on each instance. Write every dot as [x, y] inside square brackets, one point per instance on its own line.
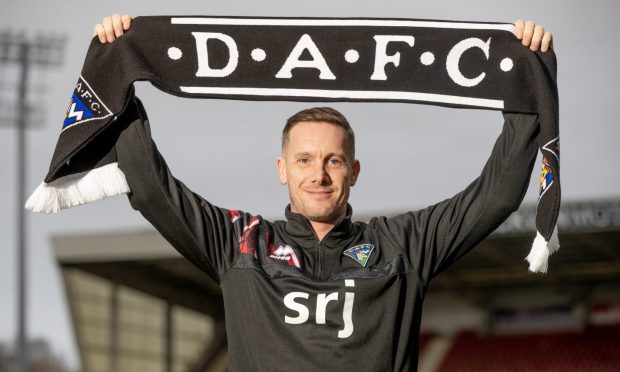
[201, 232]
[437, 236]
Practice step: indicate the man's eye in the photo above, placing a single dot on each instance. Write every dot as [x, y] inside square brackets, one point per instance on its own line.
[335, 162]
[303, 161]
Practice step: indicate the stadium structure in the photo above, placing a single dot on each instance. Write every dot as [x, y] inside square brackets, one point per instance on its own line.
[137, 305]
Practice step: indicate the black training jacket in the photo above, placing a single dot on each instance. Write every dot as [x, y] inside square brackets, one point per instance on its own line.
[351, 302]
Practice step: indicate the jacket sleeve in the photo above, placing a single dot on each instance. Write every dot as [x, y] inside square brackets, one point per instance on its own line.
[435, 237]
[201, 232]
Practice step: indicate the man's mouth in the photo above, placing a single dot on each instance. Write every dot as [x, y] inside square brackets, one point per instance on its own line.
[319, 193]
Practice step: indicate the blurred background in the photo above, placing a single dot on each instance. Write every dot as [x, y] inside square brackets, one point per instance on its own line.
[104, 292]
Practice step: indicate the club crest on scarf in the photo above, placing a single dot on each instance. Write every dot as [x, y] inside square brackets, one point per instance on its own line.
[360, 253]
[546, 177]
[84, 106]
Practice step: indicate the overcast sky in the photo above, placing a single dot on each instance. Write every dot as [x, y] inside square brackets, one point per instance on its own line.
[411, 155]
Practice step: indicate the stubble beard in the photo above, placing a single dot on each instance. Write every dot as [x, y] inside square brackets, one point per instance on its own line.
[322, 215]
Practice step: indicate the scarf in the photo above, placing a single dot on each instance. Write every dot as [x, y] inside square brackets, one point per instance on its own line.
[455, 64]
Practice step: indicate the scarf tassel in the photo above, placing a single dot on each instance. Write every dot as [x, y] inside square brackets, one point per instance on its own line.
[541, 250]
[80, 188]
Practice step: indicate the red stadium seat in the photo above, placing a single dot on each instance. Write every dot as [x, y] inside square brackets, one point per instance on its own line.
[593, 350]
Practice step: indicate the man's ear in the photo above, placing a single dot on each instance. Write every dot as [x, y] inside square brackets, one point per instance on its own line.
[281, 165]
[356, 171]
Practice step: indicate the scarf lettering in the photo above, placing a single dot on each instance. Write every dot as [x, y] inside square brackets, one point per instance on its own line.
[318, 62]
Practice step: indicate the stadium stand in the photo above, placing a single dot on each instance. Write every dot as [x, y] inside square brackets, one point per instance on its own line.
[593, 350]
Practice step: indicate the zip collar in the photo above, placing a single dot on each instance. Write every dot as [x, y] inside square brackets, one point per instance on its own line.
[300, 228]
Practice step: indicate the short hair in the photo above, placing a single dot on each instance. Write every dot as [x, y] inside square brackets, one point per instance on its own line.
[324, 114]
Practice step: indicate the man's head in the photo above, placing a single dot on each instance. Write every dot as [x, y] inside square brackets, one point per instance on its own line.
[318, 163]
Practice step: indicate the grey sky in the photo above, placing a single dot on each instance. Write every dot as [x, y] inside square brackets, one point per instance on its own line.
[411, 155]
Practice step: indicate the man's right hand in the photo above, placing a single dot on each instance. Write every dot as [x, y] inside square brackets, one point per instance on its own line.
[112, 27]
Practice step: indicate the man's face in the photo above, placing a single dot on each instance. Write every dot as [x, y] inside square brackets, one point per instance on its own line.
[318, 170]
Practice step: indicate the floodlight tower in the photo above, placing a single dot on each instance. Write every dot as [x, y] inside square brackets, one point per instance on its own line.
[41, 51]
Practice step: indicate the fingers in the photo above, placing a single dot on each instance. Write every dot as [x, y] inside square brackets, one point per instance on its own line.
[547, 42]
[528, 32]
[539, 31]
[533, 36]
[117, 25]
[109, 29]
[100, 33]
[112, 27]
[126, 22]
[519, 26]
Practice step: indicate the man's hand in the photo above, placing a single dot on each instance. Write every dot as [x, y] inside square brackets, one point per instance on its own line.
[533, 36]
[112, 27]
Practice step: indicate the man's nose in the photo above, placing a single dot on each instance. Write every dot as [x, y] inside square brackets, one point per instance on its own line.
[320, 174]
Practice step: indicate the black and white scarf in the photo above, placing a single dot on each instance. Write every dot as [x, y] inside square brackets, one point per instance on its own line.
[456, 64]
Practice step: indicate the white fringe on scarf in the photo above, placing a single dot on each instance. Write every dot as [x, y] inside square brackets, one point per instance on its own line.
[77, 189]
[541, 250]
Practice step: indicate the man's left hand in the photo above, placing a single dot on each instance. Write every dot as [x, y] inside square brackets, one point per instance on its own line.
[533, 36]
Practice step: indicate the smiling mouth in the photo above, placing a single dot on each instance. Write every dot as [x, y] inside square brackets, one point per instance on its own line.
[319, 193]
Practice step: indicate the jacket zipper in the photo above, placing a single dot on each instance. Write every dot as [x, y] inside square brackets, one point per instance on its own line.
[320, 246]
[320, 270]
[320, 259]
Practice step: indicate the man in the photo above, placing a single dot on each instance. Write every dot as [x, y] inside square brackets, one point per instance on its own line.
[318, 291]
